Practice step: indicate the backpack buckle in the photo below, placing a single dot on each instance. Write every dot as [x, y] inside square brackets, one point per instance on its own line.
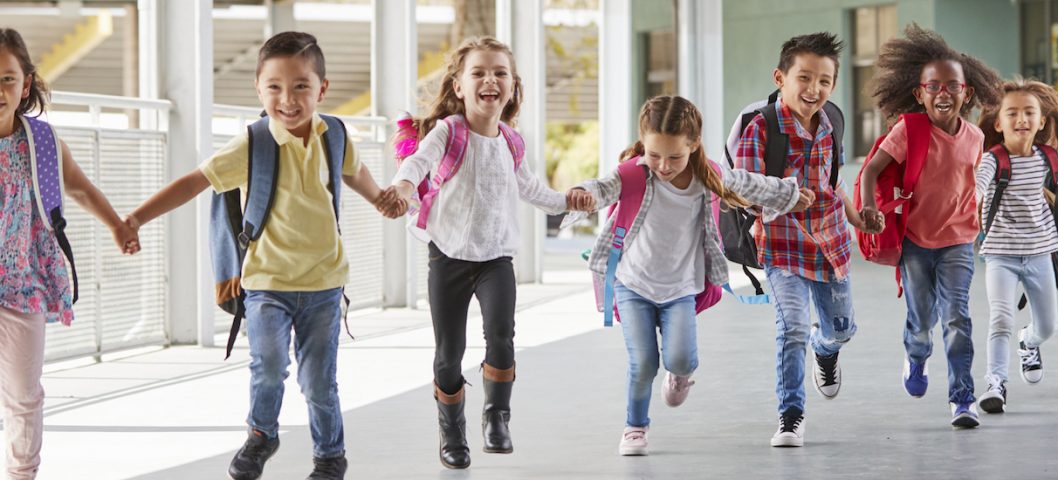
[244, 240]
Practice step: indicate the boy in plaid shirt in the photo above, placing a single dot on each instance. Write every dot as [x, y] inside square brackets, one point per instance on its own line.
[806, 254]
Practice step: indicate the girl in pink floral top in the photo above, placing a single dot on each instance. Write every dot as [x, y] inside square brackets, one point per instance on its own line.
[34, 288]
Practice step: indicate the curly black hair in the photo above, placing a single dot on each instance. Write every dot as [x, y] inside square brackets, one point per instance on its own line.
[899, 68]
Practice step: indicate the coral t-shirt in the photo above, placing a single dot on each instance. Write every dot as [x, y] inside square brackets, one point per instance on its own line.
[943, 209]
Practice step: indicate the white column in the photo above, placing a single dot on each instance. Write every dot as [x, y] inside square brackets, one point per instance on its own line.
[700, 50]
[185, 57]
[527, 41]
[615, 83]
[280, 17]
[394, 76]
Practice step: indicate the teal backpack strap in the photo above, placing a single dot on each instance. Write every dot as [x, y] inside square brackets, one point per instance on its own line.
[633, 188]
[261, 179]
[334, 143]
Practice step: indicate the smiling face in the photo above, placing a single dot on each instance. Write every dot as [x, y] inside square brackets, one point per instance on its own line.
[486, 84]
[1019, 118]
[668, 155]
[14, 87]
[806, 85]
[289, 90]
[943, 105]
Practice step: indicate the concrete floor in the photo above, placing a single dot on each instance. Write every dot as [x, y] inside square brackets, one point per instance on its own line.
[178, 413]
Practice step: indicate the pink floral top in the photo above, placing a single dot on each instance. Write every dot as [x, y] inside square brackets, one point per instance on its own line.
[33, 273]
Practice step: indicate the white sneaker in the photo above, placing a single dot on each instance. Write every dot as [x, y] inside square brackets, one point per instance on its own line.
[995, 399]
[1031, 363]
[633, 441]
[791, 432]
[826, 374]
[676, 389]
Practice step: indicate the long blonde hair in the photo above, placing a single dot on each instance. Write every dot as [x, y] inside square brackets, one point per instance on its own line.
[1048, 99]
[447, 103]
[674, 115]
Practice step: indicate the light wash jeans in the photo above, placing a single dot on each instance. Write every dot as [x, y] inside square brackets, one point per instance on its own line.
[640, 321]
[792, 296]
[937, 287]
[1002, 275]
[316, 320]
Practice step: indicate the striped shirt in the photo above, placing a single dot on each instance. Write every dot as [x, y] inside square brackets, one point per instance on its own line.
[813, 244]
[1024, 225]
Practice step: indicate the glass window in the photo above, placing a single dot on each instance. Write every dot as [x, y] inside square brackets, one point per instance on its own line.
[871, 26]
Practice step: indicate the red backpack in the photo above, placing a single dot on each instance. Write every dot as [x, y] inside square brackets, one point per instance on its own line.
[896, 185]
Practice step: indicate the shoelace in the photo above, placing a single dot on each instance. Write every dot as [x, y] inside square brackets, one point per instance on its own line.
[1030, 357]
[827, 365]
[789, 423]
[327, 467]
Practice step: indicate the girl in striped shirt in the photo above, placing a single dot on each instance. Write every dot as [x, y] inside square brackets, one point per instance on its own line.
[1021, 236]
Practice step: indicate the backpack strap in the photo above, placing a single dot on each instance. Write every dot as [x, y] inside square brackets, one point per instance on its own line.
[455, 148]
[261, 179]
[45, 155]
[633, 187]
[1002, 179]
[778, 143]
[334, 142]
[918, 136]
[515, 142]
[837, 132]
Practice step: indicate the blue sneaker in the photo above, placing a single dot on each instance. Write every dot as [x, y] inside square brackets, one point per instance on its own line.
[916, 378]
[964, 415]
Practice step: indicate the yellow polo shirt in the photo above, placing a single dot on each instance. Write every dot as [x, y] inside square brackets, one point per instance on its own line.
[300, 249]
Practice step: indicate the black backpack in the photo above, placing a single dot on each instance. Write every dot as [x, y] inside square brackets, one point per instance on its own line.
[735, 223]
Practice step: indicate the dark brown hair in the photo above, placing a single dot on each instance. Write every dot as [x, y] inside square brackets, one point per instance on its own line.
[673, 115]
[899, 70]
[293, 44]
[824, 44]
[11, 42]
[1048, 99]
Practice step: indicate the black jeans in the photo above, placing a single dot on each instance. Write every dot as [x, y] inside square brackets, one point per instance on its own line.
[452, 282]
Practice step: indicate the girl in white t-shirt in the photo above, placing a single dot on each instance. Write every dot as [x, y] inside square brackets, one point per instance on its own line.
[671, 248]
[1021, 236]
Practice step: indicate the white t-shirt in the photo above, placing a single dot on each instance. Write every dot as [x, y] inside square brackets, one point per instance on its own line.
[475, 215]
[667, 261]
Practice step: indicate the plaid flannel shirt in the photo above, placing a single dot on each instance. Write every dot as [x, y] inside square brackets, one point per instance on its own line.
[816, 243]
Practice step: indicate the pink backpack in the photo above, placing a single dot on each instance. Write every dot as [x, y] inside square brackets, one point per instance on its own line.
[458, 135]
[633, 186]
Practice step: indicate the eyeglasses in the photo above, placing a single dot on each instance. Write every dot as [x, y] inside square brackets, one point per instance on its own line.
[934, 88]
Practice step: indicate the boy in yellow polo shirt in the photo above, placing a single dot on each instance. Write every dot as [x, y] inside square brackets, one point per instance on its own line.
[294, 273]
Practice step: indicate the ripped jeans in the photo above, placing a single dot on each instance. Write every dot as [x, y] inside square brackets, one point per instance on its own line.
[792, 296]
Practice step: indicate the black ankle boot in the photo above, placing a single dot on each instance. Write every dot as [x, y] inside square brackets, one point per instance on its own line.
[497, 412]
[454, 450]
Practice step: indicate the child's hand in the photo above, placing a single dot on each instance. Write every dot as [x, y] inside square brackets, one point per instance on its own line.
[857, 221]
[126, 235]
[807, 198]
[578, 199]
[873, 220]
[390, 204]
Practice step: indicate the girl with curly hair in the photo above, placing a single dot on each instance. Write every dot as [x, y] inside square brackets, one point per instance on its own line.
[921, 74]
[1020, 234]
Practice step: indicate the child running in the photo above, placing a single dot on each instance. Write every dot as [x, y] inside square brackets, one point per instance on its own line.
[294, 273]
[471, 221]
[805, 255]
[34, 284]
[921, 73]
[1020, 234]
[671, 249]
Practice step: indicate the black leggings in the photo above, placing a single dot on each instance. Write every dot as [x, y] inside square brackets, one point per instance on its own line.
[451, 284]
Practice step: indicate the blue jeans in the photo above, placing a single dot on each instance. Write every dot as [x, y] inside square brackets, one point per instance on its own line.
[316, 320]
[1002, 275]
[937, 287]
[792, 295]
[640, 320]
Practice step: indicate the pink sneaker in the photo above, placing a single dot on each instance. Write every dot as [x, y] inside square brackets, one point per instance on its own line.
[676, 389]
[633, 441]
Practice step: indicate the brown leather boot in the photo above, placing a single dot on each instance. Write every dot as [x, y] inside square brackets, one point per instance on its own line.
[497, 412]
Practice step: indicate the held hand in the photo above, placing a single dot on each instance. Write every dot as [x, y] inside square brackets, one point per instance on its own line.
[126, 235]
[390, 204]
[856, 220]
[806, 199]
[874, 221]
[578, 199]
